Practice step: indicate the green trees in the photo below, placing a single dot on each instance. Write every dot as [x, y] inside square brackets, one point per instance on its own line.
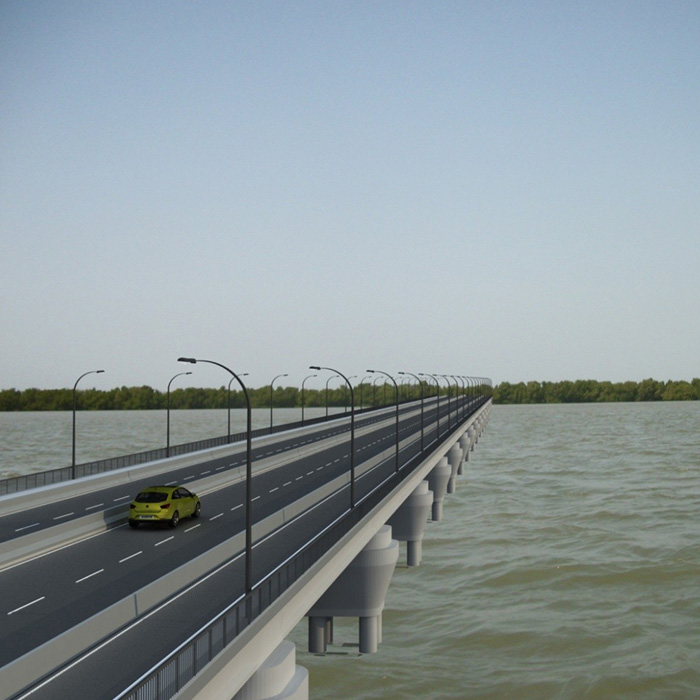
[147, 398]
[593, 391]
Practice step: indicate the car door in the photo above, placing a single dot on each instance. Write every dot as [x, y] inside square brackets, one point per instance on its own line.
[185, 502]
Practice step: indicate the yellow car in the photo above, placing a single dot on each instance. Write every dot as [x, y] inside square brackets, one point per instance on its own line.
[163, 504]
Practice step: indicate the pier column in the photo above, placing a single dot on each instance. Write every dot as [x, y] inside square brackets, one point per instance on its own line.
[408, 522]
[465, 444]
[358, 592]
[279, 678]
[454, 457]
[437, 480]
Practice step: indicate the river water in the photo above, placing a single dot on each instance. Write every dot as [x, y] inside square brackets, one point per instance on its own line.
[567, 564]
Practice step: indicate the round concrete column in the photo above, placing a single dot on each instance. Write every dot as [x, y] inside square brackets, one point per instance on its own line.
[437, 481]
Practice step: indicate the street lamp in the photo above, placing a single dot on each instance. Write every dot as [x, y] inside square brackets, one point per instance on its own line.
[374, 391]
[361, 383]
[248, 473]
[328, 380]
[437, 384]
[345, 394]
[302, 395]
[167, 442]
[228, 405]
[449, 409]
[410, 374]
[93, 371]
[352, 428]
[460, 394]
[396, 396]
[271, 383]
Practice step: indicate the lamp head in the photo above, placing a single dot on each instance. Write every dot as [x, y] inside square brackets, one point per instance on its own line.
[187, 359]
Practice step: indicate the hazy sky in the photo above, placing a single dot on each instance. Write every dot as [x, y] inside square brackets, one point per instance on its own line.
[503, 188]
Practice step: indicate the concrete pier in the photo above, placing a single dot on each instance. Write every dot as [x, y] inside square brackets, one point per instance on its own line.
[278, 678]
[465, 444]
[438, 480]
[408, 522]
[454, 457]
[358, 592]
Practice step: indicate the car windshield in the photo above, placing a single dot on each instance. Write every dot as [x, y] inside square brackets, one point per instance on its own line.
[151, 497]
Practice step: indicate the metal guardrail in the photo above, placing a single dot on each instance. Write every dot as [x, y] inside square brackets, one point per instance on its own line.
[25, 482]
[185, 662]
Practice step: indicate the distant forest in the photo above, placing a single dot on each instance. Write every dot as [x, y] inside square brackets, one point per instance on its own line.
[592, 391]
[144, 397]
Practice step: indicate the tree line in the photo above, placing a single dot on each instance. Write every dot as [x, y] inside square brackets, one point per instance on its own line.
[146, 398]
[593, 391]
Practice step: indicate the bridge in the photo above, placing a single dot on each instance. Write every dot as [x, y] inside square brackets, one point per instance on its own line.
[301, 522]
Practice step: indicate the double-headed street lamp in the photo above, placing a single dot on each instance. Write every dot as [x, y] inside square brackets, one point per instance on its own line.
[396, 397]
[271, 383]
[92, 371]
[417, 378]
[248, 473]
[167, 439]
[352, 427]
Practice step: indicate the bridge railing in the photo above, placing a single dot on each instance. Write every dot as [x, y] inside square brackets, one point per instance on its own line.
[34, 480]
[186, 661]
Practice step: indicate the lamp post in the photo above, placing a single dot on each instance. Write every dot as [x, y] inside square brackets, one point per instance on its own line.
[345, 394]
[228, 405]
[437, 384]
[361, 383]
[248, 472]
[374, 391]
[328, 380]
[93, 371]
[471, 393]
[352, 428]
[302, 395]
[460, 394]
[271, 383]
[449, 408]
[167, 440]
[410, 374]
[396, 397]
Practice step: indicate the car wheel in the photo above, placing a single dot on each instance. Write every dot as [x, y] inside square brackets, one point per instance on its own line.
[197, 510]
[133, 523]
[174, 520]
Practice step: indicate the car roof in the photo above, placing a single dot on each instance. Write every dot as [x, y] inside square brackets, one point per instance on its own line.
[160, 488]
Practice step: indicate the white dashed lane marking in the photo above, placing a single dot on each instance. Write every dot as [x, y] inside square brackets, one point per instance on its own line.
[94, 573]
[26, 605]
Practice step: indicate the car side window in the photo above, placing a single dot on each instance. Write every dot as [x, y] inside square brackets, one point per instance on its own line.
[176, 493]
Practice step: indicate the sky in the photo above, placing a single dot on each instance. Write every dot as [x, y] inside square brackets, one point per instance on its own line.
[505, 189]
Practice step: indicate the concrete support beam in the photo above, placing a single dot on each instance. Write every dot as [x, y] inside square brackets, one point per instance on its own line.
[278, 678]
[408, 522]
